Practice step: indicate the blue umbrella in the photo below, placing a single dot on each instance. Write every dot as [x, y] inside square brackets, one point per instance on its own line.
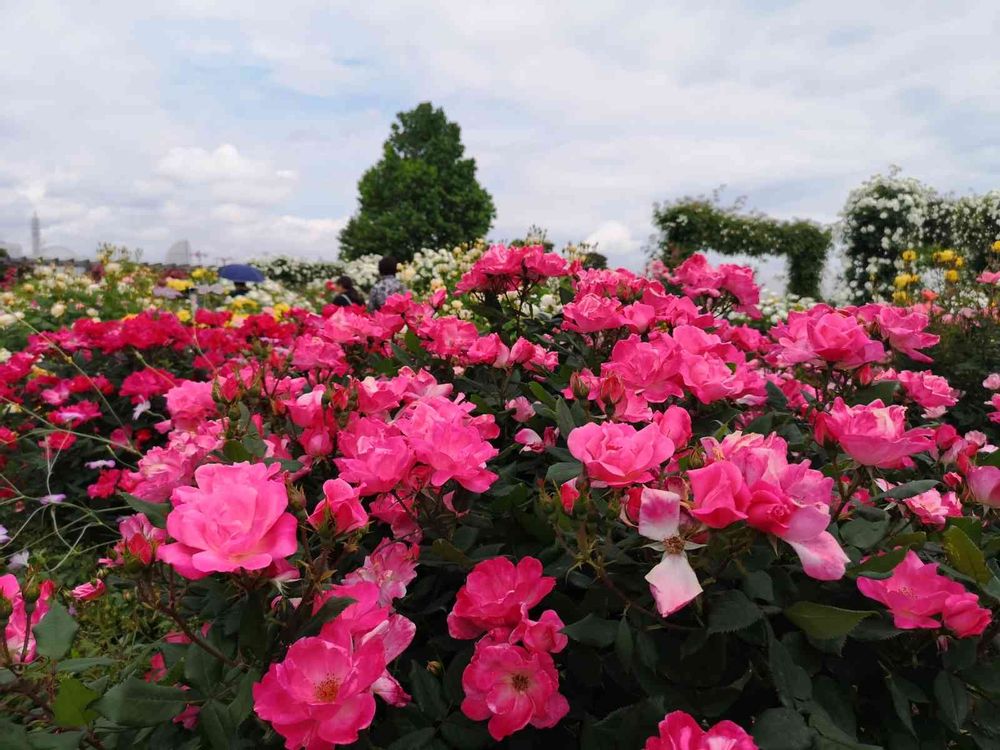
[240, 272]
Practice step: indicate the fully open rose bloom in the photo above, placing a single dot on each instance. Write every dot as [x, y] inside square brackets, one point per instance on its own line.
[512, 687]
[679, 731]
[234, 519]
[874, 434]
[617, 455]
[495, 594]
[672, 581]
[915, 593]
[320, 695]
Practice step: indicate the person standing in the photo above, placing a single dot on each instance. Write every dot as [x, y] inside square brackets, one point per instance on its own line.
[387, 285]
[345, 293]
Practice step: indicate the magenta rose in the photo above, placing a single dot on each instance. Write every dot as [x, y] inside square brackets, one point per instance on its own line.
[618, 455]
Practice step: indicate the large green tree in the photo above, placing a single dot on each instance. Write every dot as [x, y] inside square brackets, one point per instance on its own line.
[421, 194]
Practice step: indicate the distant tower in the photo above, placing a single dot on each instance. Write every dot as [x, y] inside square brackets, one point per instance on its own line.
[36, 235]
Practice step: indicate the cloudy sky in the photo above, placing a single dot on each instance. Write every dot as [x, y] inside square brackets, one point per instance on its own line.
[245, 130]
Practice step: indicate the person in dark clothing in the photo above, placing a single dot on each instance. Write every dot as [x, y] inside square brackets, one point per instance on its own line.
[345, 293]
[387, 285]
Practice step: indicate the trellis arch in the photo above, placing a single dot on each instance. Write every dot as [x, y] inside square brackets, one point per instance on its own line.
[690, 225]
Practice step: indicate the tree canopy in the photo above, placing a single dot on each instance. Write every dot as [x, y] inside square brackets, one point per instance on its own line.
[422, 193]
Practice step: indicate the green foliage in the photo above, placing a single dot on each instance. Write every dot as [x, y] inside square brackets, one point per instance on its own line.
[421, 194]
[692, 225]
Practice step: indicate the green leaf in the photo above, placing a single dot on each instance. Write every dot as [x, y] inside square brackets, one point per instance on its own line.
[13, 735]
[330, 609]
[155, 512]
[69, 709]
[235, 451]
[137, 703]
[732, 611]
[624, 643]
[201, 669]
[909, 489]
[901, 704]
[782, 729]
[824, 622]
[54, 634]
[216, 726]
[427, 692]
[563, 471]
[776, 399]
[864, 534]
[832, 738]
[791, 681]
[241, 705]
[952, 698]
[48, 741]
[564, 419]
[593, 631]
[879, 566]
[965, 556]
[990, 459]
[883, 389]
[464, 734]
[414, 740]
[81, 665]
[539, 392]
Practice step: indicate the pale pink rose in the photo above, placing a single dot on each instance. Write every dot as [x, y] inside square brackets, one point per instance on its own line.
[522, 408]
[984, 484]
[533, 442]
[934, 508]
[590, 313]
[234, 519]
[617, 455]
[672, 582]
[189, 403]
[321, 693]
[874, 434]
[340, 508]
[512, 687]
[19, 627]
[992, 382]
[391, 566]
[679, 731]
[87, 592]
[928, 390]
[495, 594]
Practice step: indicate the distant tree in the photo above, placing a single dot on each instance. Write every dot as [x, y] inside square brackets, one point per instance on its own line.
[536, 236]
[595, 260]
[421, 194]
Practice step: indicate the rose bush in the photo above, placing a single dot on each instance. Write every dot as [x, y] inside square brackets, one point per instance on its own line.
[631, 523]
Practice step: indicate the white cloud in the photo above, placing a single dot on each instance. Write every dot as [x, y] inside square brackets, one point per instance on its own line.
[241, 126]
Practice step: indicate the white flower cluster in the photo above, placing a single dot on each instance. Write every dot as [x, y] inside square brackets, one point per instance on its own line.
[300, 273]
[434, 269]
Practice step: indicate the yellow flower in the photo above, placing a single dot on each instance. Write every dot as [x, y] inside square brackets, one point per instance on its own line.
[951, 275]
[959, 262]
[200, 273]
[180, 285]
[996, 246]
[902, 281]
[183, 315]
[900, 297]
[909, 255]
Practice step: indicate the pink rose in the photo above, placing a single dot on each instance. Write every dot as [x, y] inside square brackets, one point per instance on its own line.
[927, 389]
[87, 592]
[234, 519]
[495, 594]
[512, 687]
[984, 484]
[590, 313]
[720, 496]
[934, 508]
[913, 593]
[340, 507]
[522, 408]
[964, 616]
[617, 455]
[674, 423]
[874, 434]
[321, 693]
[189, 403]
[672, 582]
[679, 731]
[992, 382]
[19, 627]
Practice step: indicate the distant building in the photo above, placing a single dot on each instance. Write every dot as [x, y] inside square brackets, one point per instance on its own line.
[179, 254]
[36, 236]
